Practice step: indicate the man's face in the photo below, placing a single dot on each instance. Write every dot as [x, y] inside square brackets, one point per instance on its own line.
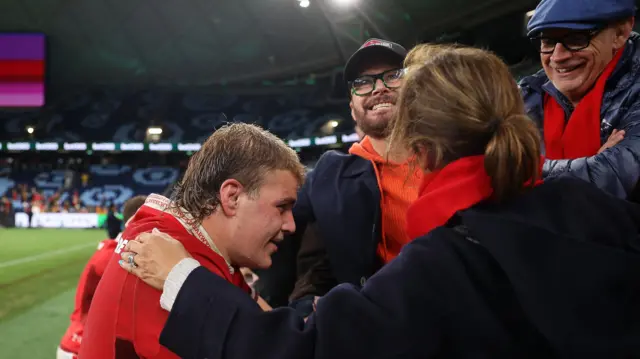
[373, 112]
[574, 73]
[262, 220]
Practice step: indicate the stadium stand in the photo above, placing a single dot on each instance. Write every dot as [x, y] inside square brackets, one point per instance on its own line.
[39, 181]
[108, 184]
[33, 197]
[124, 116]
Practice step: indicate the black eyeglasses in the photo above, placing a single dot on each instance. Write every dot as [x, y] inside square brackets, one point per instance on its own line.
[573, 41]
[366, 84]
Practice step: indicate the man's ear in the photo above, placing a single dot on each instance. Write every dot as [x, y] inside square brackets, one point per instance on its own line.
[230, 192]
[623, 31]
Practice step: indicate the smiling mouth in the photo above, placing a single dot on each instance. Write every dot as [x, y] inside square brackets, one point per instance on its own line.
[381, 106]
[565, 70]
[275, 242]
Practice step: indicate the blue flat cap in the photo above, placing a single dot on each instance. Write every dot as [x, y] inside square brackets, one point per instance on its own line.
[578, 14]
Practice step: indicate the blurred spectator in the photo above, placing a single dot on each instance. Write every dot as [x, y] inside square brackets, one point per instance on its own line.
[36, 206]
[114, 222]
[6, 212]
[100, 209]
[6, 204]
[84, 178]
[26, 207]
[35, 195]
[68, 179]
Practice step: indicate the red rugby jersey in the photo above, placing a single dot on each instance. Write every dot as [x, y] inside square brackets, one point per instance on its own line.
[85, 290]
[125, 319]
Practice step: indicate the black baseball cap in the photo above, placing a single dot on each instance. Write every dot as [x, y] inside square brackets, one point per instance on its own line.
[372, 48]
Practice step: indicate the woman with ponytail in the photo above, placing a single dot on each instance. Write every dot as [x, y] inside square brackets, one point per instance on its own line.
[461, 113]
[502, 265]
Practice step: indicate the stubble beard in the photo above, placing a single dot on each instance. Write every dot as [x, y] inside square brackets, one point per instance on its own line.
[378, 130]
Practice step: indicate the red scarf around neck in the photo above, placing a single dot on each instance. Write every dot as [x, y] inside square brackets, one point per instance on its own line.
[458, 186]
[580, 136]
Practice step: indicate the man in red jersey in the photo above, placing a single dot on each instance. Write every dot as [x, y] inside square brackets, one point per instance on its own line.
[89, 279]
[230, 210]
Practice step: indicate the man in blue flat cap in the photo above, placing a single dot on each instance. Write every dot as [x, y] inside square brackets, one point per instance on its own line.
[586, 98]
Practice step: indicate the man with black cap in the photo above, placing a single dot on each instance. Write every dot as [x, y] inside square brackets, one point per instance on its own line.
[586, 98]
[350, 213]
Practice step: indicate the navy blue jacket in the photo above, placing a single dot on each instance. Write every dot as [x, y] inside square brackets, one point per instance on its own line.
[337, 217]
[553, 273]
[617, 169]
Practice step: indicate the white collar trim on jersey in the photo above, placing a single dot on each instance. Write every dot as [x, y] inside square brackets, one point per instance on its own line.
[163, 204]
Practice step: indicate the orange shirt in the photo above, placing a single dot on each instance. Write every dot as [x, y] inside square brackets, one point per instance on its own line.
[399, 187]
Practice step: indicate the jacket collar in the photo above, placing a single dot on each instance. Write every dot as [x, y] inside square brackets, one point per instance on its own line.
[356, 167]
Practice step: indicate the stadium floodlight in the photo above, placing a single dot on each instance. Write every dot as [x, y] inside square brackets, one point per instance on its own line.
[344, 2]
[154, 130]
[333, 123]
[304, 3]
[30, 129]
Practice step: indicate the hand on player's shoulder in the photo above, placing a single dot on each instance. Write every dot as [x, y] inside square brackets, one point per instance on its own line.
[151, 256]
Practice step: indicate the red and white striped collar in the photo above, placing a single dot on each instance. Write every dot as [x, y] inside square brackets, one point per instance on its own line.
[163, 204]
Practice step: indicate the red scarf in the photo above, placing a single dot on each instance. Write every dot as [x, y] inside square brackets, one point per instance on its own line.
[458, 186]
[580, 136]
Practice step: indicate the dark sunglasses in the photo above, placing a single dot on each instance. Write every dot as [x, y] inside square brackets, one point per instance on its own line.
[366, 84]
[572, 41]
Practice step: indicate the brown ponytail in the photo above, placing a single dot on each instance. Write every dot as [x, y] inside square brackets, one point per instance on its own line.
[512, 156]
[457, 102]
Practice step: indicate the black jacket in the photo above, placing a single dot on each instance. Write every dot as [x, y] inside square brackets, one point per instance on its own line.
[553, 274]
[337, 217]
[113, 224]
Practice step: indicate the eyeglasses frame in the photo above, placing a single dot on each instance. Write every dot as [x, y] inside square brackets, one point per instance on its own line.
[376, 77]
[590, 34]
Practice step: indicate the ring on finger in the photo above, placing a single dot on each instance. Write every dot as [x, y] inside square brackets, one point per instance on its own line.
[131, 260]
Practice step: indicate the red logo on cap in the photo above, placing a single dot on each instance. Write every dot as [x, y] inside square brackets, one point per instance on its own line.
[377, 43]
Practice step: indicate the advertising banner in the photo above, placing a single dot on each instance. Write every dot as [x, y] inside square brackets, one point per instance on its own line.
[57, 220]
